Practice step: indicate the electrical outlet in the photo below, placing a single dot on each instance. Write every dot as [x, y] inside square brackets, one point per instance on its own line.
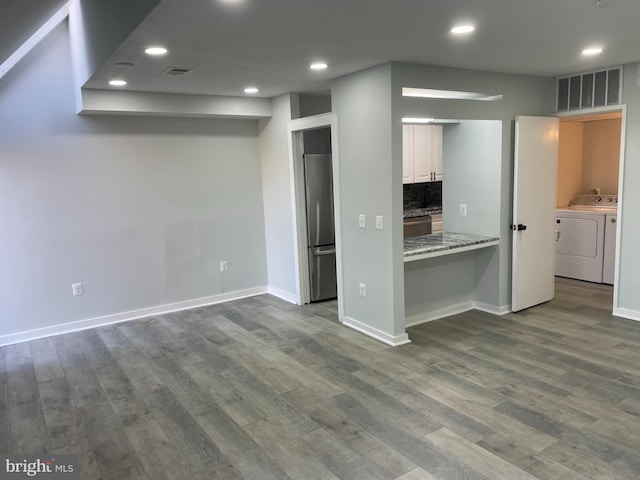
[77, 289]
[463, 209]
[224, 266]
[379, 222]
[362, 221]
[363, 289]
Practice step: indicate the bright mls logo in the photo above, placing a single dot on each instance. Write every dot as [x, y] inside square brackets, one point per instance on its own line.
[54, 467]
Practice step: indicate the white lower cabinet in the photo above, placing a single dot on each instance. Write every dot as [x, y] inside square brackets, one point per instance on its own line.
[421, 153]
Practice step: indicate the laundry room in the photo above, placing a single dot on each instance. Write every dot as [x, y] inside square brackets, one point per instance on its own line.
[587, 196]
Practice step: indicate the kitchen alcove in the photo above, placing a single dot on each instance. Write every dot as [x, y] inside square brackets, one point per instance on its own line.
[472, 166]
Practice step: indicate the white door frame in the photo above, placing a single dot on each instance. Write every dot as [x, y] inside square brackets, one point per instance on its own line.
[623, 136]
[295, 128]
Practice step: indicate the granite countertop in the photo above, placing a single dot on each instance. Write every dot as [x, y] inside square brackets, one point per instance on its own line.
[422, 212]
[436, 244]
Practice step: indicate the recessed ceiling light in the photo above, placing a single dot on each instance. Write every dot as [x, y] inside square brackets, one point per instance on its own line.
[461, 29]
[156, 51]
[592, 51]
[251, 90]
[318, 66]
[117, 83]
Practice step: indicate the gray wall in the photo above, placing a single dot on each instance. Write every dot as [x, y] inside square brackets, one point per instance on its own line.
[472, 166]
[278, 209]
[314, 104]
[523, 95]
[438, 286]
[629, 280]
[371, 184]
[140, 210]
[128, 102]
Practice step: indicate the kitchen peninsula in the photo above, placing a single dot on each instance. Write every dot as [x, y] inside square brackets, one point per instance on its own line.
[446, 273]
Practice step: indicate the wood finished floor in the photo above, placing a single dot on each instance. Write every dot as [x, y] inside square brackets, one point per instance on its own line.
[262, 389]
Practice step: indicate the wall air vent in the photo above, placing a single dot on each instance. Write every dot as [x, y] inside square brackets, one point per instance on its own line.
[178, 71]
[597, 88]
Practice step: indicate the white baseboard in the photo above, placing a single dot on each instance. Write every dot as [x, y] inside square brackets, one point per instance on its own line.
[126, 316]
[454, 310]
[283, 294]
[437, 314]
[392, 340]
[485, 307]
[625, 313]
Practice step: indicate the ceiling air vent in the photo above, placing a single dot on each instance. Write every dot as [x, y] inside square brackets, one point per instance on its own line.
[178, 71]
[597, 88]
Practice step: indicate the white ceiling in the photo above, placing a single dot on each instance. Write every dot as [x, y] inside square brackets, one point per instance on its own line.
[231, 44]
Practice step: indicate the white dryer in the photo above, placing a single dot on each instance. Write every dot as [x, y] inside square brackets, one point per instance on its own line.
[580, 237]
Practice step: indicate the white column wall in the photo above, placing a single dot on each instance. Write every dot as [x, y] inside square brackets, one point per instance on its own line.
[371, 184]
[278, 208]
[628, 284]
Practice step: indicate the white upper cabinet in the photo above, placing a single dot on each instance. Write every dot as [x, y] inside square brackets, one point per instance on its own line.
[407, 154]
[437, 154]
[422, 153]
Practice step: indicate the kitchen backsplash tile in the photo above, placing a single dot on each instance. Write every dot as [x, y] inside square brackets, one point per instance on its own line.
[421, 195]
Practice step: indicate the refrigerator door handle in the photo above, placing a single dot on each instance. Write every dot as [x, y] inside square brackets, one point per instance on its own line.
[319, 253]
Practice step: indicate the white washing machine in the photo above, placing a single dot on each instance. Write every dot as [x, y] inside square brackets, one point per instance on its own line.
[580, 238]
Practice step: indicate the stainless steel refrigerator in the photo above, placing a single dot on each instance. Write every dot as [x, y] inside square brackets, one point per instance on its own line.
[320, 226]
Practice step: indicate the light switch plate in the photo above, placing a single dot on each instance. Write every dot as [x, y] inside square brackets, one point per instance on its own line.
[362, 222]
[379, 222]
[77, 289]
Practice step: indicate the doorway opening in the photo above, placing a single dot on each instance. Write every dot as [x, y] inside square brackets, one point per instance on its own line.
[314, 135]
[591, 170]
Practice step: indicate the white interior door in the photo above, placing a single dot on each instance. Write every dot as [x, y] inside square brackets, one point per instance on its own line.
[534, 205]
